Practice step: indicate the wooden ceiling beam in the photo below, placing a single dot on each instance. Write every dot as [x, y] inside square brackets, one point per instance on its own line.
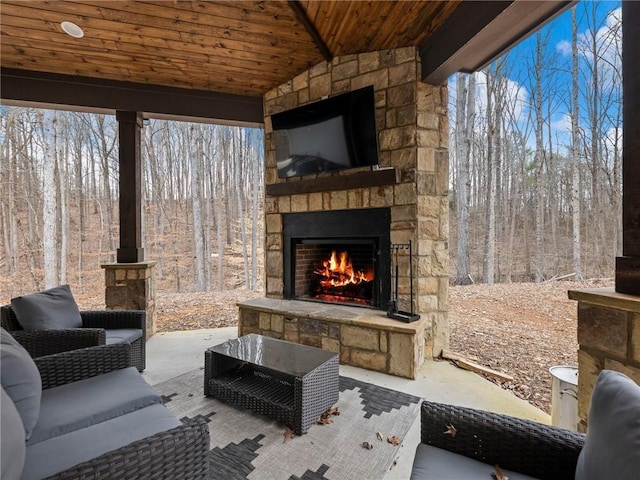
[300, 12]
[20, 87]
[479, 31]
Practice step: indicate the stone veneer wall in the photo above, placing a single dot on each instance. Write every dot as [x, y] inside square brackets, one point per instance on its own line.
[413, 137]
[131, 286]
[609, 338]
[363, 337]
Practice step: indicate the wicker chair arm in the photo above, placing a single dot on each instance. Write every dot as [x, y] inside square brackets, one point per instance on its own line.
[179, 453]
[114, 319]
[48, 342]
[67, 367]
[524, 446]
[8, 319]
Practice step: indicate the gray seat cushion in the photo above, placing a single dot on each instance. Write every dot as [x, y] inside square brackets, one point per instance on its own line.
[437, 464]
[12, 447]
[612, 446]
[60, 453]
[122, 335]
[52, 309]
[88, 402]
[21, 380]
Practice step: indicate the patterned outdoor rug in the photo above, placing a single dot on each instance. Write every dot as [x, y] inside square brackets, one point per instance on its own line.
[245, 445]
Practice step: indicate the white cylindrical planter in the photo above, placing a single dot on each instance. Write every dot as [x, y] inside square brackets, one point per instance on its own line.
[564, 397]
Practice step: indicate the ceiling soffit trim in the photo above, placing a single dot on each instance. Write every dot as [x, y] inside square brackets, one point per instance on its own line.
[479, 31]
[22, 87]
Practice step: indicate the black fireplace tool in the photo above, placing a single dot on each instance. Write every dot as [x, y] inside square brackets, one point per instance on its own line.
[392, 311]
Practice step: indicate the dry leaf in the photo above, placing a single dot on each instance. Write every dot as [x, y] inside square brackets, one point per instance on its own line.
[324, 420]
[367, 445]
[333, 411]
[451, 430]
[393, 440]
[288, 435]
[499, 474]
[380, 436]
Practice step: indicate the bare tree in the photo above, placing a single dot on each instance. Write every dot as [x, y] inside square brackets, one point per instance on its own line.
[48, 120]
[575, 150]
[465, 121]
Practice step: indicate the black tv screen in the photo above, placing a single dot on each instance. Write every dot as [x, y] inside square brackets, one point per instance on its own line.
[332, 134]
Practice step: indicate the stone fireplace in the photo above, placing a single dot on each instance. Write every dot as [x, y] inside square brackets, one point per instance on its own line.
[363, 212]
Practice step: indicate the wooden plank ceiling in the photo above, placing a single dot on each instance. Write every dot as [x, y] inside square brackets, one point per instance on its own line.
[237, 47]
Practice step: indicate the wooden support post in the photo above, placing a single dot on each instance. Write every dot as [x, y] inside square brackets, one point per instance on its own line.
[129, 125]
[628, 266]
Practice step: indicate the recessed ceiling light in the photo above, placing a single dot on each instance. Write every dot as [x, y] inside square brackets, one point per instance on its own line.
[72, 29]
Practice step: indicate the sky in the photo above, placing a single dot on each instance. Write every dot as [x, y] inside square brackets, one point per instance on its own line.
[599, 16]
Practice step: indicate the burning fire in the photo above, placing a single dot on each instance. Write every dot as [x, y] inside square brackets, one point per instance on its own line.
[338, 272]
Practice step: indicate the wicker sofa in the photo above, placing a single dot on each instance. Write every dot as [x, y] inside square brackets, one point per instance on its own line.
[458, 442]
[99, 327]
[99, 419]
[484, 439]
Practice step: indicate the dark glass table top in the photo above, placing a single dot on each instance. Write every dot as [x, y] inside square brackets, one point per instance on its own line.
[286, 357]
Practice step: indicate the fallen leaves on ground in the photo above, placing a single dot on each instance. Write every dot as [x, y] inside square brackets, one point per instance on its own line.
[499, 474]
[288, 435]
[325, 418]
[394, 440]
[380, 436]
[521, 329]
[367, 445]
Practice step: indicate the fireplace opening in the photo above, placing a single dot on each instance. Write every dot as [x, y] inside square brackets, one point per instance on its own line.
[340, 256]
[337, 272]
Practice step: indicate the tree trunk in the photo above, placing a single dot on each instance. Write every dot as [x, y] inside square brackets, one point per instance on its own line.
[464, 134]
[488, 264]
[196, 206]
[575, 151]
[48, 121]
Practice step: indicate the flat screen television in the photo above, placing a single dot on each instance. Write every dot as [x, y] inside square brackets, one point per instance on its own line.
[331, 134]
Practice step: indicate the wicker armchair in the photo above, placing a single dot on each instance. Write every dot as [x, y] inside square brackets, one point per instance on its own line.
[523, 446]
[93, 333]
[180, 452]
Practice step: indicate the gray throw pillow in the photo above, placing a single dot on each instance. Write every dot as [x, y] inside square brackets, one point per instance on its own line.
[52, 309]
[12, 439]
[20, 378]
[612, 446]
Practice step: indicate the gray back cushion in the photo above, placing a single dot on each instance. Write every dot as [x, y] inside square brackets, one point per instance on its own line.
[11, 438]
[51, 309]
[21, 380]
[612, 446]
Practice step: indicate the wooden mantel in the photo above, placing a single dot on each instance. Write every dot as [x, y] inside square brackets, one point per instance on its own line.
[371, 178]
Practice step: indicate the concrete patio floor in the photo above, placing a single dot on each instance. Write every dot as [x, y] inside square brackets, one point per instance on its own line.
[172, 354]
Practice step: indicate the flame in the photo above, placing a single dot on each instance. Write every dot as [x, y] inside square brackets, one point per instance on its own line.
[338, 271]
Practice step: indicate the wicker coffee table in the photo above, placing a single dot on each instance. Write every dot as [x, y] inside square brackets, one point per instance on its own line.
[288, 382]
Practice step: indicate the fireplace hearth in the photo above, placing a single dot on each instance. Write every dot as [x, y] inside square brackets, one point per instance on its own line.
[339, 257]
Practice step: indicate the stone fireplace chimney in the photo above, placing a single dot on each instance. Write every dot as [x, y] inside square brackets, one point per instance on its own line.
[412, 183]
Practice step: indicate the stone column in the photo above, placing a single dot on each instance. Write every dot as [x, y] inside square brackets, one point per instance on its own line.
[131, 286]
[609, 338]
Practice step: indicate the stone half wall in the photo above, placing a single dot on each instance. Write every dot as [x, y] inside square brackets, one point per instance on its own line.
[412, 127]
[609, 338]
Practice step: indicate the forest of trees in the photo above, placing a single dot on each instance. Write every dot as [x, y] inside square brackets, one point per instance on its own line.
[59, 201]
[535, 175]
[533, 198]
